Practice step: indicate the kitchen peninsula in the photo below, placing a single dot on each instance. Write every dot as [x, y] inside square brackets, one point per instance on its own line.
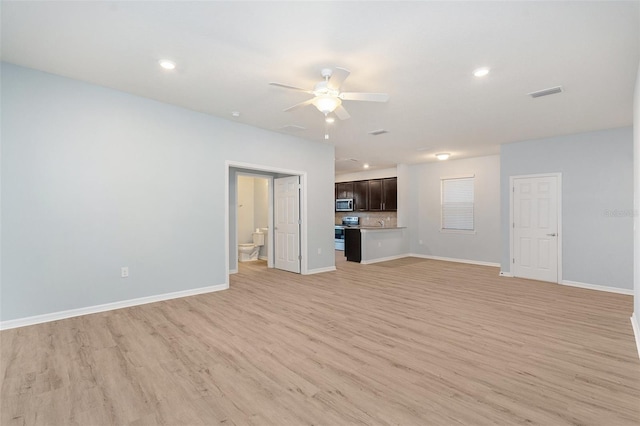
[371, 244]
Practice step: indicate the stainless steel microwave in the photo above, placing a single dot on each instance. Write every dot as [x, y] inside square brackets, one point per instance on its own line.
[344, 205]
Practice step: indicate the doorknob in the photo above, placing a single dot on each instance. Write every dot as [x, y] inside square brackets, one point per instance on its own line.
[552, 235]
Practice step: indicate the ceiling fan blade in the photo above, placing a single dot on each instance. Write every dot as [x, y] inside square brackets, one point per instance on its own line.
[338, 76]
[301, 104]
[286, 86]
[371, 97]
[341, 113]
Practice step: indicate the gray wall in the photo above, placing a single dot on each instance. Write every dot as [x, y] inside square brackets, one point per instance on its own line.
[421, 202]
[636, 179]
[94, 179]
[597, 190]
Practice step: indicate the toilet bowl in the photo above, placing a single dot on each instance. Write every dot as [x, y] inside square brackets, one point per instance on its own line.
[249, 251]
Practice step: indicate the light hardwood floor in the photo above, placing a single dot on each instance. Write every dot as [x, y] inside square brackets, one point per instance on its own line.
[410, 342]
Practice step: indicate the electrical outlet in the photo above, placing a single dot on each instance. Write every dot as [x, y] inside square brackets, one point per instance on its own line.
[124, 272]
[379, 244]
[319, 251]
[420, 242]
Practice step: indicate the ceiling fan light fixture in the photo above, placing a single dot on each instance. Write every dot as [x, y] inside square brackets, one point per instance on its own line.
[330, 120]
[326, 104]
[443, 156]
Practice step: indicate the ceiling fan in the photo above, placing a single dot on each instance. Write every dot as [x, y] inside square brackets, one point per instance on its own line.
[328, 97]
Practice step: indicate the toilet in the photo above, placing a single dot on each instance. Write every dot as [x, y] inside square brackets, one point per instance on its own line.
[249, 251]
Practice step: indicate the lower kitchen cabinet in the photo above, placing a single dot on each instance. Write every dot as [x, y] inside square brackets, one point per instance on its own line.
[352, 245]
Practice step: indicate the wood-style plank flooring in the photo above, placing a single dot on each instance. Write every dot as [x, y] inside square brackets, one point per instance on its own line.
[406, 342]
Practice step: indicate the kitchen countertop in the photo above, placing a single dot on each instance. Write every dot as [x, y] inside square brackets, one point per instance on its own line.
[374, 228]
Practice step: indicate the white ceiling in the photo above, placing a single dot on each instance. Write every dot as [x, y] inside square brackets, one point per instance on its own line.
[421, 53]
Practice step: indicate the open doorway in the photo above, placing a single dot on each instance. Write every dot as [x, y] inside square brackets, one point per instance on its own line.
[254, 217]
[245, 214]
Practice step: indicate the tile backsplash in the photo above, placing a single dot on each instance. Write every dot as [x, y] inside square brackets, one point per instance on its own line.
[370, 218]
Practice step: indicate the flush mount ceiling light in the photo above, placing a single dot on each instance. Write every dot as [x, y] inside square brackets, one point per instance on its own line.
[366, 165]
[235, 113]
[443, 156]
[481, 72]
[167, 64]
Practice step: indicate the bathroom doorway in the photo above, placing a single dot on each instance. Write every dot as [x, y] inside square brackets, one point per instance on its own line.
[254, 217]
[238, 233]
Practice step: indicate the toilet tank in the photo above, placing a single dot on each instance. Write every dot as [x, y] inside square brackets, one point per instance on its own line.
[258, 238]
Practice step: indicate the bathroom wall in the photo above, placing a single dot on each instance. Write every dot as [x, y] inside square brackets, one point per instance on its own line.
[246, 210]
[260, 203]
[253, 206]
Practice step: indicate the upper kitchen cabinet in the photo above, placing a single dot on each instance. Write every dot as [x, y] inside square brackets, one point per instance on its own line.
[383, 194]
[344, 190]
[375, 195]
[361, 195]
[390, 194]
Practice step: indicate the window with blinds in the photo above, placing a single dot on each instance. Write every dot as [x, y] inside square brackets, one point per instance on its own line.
[457, 204]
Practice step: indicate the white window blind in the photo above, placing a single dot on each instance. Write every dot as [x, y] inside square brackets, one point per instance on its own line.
[457, 204]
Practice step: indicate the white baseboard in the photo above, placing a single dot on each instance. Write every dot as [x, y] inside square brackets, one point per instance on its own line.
[233, 271]
[451, 259]
[598, 287]
[320, 270]
[636, 331]
[54, 316]
[383, 259]
[506, 274]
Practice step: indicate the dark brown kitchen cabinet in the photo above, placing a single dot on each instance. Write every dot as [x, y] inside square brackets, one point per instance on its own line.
[352, 245]
[344, 190]
[390, 194]
[375, 195]
[383, 194]
[361, 195]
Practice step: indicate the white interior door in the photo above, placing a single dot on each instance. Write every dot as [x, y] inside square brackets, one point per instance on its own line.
[287, 223]
[535, 204]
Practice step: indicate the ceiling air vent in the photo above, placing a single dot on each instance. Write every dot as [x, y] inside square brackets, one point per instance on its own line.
[378, 132]
[546, 92]
[292, 128]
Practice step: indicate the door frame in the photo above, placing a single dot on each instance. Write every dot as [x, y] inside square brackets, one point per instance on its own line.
[558, 177]
[257, 169]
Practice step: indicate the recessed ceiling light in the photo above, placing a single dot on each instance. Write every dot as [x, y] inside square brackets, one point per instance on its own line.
[330, 120]
[481, 72]
[167, 64]
[366, 165]
[443, 156]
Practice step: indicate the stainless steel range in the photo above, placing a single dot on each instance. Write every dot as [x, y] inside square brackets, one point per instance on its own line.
[347, 221]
